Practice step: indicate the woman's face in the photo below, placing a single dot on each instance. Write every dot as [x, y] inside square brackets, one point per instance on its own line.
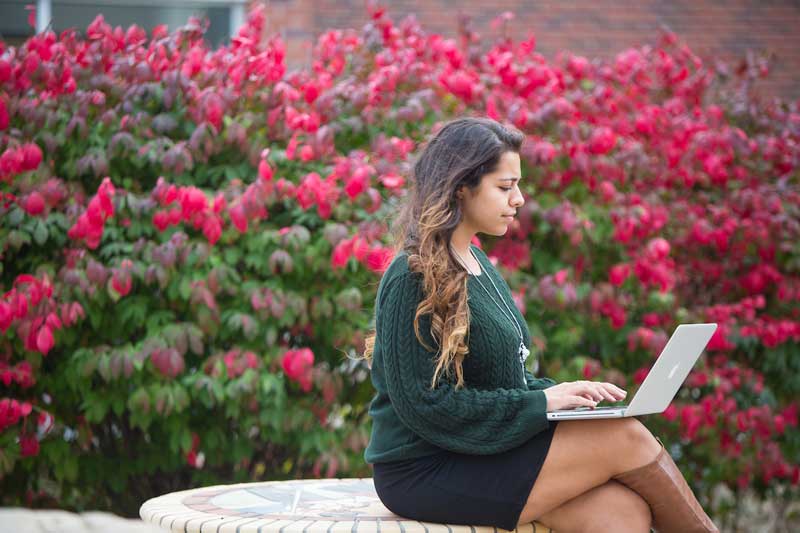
[485, 208]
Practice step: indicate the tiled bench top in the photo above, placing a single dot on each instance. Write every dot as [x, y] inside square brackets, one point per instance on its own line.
[300, 506]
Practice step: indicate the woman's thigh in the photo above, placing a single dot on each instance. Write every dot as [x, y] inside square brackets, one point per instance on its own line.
[608, 507]
[585, 454]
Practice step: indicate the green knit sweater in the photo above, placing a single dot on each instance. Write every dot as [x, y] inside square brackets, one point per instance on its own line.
[501, 406]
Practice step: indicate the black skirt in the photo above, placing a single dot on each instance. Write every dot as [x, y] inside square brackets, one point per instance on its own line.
[455, 488]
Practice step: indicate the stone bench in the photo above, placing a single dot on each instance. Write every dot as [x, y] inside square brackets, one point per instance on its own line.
[23, 520]
[300, 506]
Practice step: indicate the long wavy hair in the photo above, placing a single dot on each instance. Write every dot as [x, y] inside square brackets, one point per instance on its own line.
[460, 153]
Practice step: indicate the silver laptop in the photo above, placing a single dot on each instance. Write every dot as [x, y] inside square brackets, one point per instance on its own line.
[662, 382]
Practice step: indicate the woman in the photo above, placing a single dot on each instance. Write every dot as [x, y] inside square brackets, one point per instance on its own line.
[460, 433]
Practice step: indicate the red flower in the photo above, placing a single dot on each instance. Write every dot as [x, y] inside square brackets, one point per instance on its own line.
[379, 259]
[341, 254]
[121, 281]
[5, 69]
[32, 156]
[357, 183]
[161, 220]
[44, 339]
[607, 190]
[34, 203]
[236, 213]
[658, 249]
[780, 424]
[640, 375]
[264, 170]
[212, 229]
[29, 446]
[168, 362]
[591, 369]
[461, 84]
[7, 315]
[602, 141]
[619, 273]
[297, 365]
[4, 118]
[214, 110]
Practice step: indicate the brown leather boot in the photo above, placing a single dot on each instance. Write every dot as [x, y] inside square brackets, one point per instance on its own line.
[674, 507]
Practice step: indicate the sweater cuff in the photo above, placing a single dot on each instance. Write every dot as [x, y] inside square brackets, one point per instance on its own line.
[536, 411]
[540, 383]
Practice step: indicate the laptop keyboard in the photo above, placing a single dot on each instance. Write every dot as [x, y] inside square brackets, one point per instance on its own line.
[590, 409]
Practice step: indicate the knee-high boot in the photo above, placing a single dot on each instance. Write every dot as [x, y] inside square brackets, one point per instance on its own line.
[672, 503]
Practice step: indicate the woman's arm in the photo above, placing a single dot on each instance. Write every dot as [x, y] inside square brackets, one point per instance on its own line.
[537, 383]
[477, 422]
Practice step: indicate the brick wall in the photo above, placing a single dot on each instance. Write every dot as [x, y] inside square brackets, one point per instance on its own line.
[723, 29]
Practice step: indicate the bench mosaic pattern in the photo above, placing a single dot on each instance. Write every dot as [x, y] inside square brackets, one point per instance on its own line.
[299, 506]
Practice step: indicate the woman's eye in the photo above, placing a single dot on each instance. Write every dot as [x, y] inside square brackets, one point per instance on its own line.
[506, 188]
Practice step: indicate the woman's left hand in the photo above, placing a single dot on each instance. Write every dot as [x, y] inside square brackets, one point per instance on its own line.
[599, 391]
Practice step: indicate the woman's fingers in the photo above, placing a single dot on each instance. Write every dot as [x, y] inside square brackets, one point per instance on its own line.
[615, 391]
[600, 391]
[580, 401]
[591, 389]
[587, 393]
[613, 388]
[609, 392]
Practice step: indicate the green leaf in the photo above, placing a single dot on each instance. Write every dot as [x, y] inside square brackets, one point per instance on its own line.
[104, 367]
[115, 248]
[186, 439]
[8, 456]
[232, 255]
[70, 468]
[118, 405]
[40, 233]
[95, 410]
[96, 317]
[18, 239]
[133, 311]
[156, 320]
[15, 216]
[185, 288]
[230, 173]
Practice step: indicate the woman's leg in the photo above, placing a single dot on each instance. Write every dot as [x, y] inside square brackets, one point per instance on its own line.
[585, 454]
[609, 507]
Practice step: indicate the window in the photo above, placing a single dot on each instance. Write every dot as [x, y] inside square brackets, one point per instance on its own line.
[224, 16]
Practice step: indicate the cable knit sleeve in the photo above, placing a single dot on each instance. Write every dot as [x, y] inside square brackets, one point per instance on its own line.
[538, 383]
[470, 421]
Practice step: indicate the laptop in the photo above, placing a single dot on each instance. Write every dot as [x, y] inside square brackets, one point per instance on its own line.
[662, 382]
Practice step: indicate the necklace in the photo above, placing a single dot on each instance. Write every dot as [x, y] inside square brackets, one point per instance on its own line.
[523, 350]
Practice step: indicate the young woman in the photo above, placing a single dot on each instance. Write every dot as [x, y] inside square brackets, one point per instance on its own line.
[460, 433]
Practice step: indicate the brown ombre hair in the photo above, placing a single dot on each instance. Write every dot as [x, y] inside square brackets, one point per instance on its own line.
[459, 154]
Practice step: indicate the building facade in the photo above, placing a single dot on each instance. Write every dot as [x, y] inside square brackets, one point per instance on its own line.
[721, 29]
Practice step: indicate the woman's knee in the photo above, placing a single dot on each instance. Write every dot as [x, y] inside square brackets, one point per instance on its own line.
[610, 446]
[635, 445]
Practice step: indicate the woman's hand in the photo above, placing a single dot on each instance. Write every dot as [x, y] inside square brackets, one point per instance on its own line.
[581, 394]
